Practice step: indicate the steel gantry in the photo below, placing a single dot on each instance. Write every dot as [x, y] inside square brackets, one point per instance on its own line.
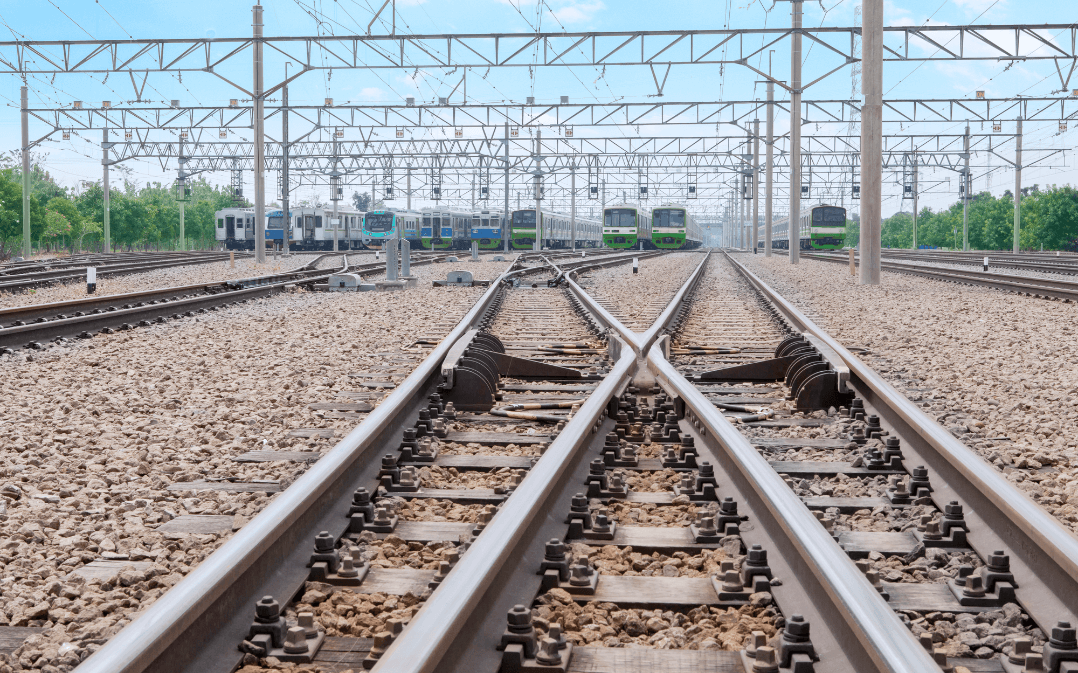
[227, 59]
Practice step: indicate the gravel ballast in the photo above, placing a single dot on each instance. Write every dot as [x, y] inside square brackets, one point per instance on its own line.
[996, 369]
[95, 432]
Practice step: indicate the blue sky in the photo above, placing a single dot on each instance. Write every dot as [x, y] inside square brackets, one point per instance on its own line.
[78, 19]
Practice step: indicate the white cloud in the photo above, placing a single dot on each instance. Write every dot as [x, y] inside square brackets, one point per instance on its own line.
[978, 6]
[566, 11]
[371, 93]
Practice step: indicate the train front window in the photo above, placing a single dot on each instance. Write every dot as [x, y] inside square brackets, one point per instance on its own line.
[620, 217]
[276, 222]
[379, 223]
[318, 221]
[668, 218]
[829, 215]
[524, 219]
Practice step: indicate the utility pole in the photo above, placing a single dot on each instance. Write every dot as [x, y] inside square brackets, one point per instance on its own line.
[286, 213]
[183, 192]
[871, 141]
[770, 188]
[506, 220]
[755, 184]
[408, 188]
[259, 142]
[26, 177]
[916, 188]
[966, 184]
[572, 207]
[794, 229]
[334, 182]
[538, 244]
[1018, 186]
[105, 144]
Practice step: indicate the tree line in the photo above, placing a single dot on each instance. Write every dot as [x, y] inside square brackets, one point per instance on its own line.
[1049, 219]
[140, 216]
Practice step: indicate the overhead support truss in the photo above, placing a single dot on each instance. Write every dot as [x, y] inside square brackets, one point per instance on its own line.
[410, 117]
[529, 50]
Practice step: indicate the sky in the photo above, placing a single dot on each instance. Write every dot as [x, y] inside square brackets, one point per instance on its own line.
[79, 158]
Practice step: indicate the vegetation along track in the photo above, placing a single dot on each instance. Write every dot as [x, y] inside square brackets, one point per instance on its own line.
[493, 521]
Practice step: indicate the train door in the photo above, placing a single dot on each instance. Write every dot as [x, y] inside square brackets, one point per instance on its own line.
[230, 228]
[308, 228]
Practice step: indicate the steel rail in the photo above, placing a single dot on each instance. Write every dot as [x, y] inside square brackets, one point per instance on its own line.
[35, 279]
[432, 632]
[648, 338]
[876, 640]
[1043, 553]
[1044, 287]
[269, 554]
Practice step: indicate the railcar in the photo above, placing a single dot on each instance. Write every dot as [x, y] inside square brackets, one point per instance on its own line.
[442, 229]
[627, 225]
[674, 228]
[555, 230]
[819, 227]
[380, 226]
[486, 229]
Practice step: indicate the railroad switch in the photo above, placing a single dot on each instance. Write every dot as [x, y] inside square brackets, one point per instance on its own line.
[271, 636]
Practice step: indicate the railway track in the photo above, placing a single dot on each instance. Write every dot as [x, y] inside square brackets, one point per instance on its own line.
[1044, 263]
[34, 325]
[1038, 287]
[39, 274]
[748, 564]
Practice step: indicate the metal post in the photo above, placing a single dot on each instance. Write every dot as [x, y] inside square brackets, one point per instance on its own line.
[871, 141]
[334, 185]
[966, 184]
[183, 240]
[391, 259]
[916, 176]
[741, 208]
[770, 188]
[408, 188]
[755, 184]
[506, 230]
[1018, 186]
[538, 244]
[406, 258]
[26, 175]
[259, 142]
[572, 207]
[794, 230]
[105, 186]
[285, 210]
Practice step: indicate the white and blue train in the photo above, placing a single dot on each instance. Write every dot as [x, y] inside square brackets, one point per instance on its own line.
[308, 228]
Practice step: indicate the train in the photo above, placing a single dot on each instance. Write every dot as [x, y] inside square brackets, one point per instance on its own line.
[380, 226]
[308, 228]
[674, 228]
[820, 227]
[555, 230]
[627, 225]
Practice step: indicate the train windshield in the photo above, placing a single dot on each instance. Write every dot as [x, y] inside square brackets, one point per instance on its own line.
[524, 219]
[829, 216]
[276, 222]
[378, 223]
[668, 218]
[619, 217]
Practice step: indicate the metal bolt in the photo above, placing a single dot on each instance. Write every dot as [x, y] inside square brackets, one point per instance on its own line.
[601, 524]
[707, 469]
[1022, 647]
[1063, 636]
[797, 630]
[548, 654]
[267, 610]
[757, 640]
[766, 660]
[597, 467]
[974, 586]
[295, 640]
[305, 620]
[999, 562]
[731, 581]
[555, 551]
[519, 619]
[324, 542]
[348, 568]
[361, 497]
[580, 574]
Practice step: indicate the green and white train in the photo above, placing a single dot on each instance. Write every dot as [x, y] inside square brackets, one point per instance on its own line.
[674, 228]
[820, 227]
[555, 230]
[626, 225]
